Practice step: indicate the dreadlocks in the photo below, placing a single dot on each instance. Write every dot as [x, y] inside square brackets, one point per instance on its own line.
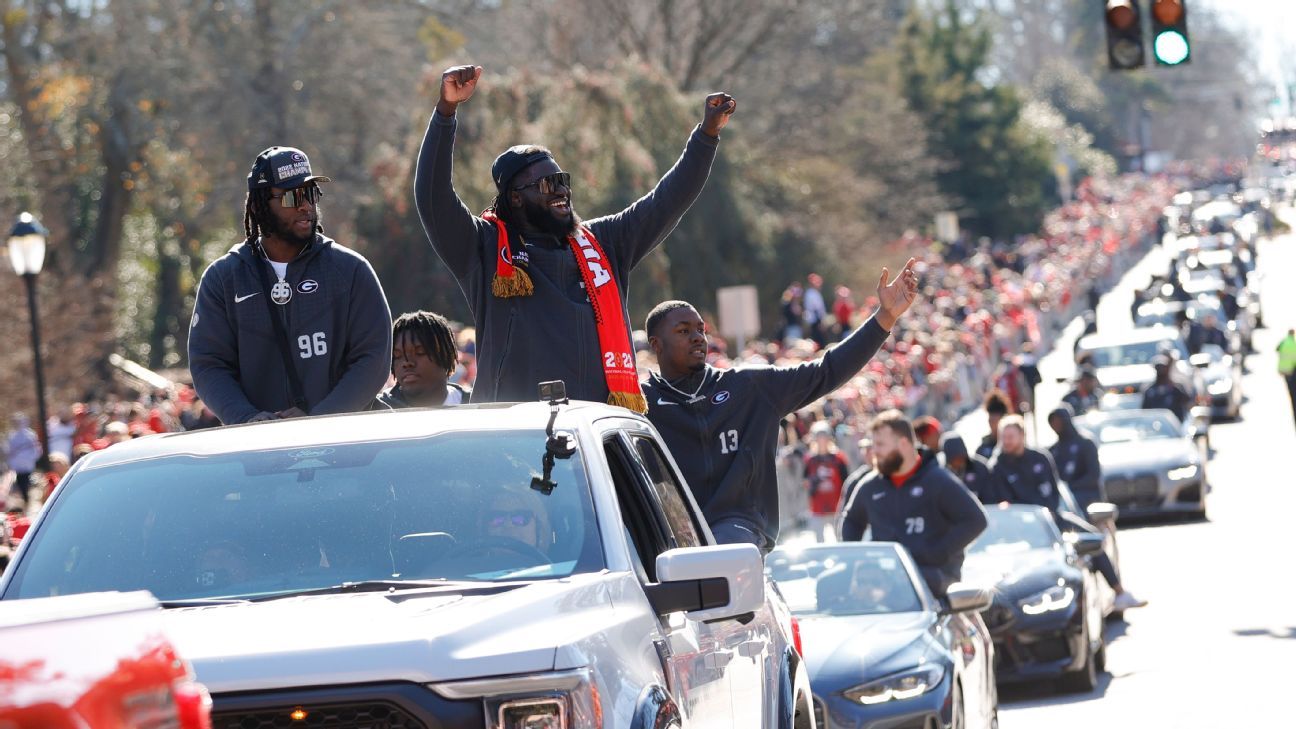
[256, 214]
[433, 332]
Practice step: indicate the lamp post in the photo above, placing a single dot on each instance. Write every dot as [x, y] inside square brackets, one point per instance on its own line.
[27, 254]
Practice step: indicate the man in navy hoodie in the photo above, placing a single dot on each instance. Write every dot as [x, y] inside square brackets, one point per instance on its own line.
[722, 425]
[911, 499]
[288, 323]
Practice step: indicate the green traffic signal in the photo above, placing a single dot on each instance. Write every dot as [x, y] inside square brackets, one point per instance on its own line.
[1170, 48]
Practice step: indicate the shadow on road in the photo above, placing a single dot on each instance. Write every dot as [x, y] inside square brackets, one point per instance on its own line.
[1280, 633]
[1046, 693]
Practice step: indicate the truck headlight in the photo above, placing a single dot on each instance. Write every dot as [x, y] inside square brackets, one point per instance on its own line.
[905, 685]
[558, 700]
[1058, 597]
[1180, 474]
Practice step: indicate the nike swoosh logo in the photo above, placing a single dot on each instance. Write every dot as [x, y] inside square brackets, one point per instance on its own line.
[878, 495]
[238, 299]
[665, 402]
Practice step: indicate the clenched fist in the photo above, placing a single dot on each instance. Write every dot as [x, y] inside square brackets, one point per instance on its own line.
[716, 112]
[457, 86]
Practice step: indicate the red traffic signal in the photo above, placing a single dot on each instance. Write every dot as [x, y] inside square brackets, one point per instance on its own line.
[1124, 34]
[1168, 12]
[1122, 14]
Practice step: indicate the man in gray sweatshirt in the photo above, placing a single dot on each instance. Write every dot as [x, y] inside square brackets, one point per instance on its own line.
[288, 323]
[540, 308]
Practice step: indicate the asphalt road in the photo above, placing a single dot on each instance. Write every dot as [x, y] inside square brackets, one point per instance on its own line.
[1216, 646]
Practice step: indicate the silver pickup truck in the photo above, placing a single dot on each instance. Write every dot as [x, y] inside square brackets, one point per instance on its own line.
[533, 566]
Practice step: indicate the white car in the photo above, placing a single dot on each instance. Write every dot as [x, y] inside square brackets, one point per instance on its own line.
[467, 567]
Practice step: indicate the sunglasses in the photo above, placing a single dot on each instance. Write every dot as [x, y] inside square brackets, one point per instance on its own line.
[549, 184]
[518, 518]
[295, 197]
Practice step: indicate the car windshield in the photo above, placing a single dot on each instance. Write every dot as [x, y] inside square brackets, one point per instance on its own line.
[456, 506]
[1014, 530]
[1133, 353]
[1150, 426]
[849, 580]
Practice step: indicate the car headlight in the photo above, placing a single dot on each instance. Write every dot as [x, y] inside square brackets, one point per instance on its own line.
[559, 700]
[1220, 387]
[900, 686]
[1179, 474]
[1058, 597]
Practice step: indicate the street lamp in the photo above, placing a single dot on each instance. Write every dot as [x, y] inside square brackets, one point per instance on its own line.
[27, 254]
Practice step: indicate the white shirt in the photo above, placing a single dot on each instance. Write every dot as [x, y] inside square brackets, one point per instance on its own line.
[280, 269]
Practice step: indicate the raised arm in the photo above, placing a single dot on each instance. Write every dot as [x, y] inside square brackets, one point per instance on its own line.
[367, 360]
[450, 226]
[634, 232]
[792, 388]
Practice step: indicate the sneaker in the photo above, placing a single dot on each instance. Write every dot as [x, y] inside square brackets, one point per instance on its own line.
[1126, 601]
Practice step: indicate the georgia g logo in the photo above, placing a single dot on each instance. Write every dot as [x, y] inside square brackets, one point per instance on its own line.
[720, 397]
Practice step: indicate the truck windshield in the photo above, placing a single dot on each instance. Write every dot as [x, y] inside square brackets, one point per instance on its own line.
[455, 506]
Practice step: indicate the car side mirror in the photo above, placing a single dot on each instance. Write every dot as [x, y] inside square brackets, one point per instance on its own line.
[1101, 513]
[709, 583]
[965, 598]
[1085, 543]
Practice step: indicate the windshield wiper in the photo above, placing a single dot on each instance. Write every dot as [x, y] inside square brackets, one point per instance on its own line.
[202, 602]
[391, 586]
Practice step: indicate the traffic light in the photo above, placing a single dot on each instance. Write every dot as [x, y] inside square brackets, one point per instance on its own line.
[1170, 45]
[1124, 34]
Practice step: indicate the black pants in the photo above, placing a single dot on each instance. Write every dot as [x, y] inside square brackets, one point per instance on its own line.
[22, 482]
[1102, 561]
[1291, 391]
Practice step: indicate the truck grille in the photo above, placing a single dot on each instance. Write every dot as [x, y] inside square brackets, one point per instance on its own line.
[1141, 490]
[371, 715]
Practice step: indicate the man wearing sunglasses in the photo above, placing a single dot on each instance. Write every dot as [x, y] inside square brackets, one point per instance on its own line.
[288, 323]
[547, 289]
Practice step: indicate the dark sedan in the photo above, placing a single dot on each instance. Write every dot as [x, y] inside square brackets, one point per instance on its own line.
[881, 651]
[1047, 615]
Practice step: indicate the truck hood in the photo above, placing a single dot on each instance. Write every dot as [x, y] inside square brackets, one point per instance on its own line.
[419, 636]
[1147, 455]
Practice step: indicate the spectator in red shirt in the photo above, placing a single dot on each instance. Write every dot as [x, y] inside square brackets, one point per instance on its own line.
[18, 523]
[825, 472]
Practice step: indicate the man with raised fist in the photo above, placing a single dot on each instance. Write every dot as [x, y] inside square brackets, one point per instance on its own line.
[546, 288]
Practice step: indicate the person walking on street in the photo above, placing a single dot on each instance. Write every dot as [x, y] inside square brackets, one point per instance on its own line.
[722, 425]
[971, 469]
[22, 452]
[913, 500]
[289, 322]
[1076, 458]
[1287, 365]
[1026, 476]
[424, 357]
[534, 273]
[1164, 393]
[825, 474]
[1085, 396]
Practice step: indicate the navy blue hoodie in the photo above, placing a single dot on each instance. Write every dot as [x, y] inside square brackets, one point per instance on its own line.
[1076, 458]
[975, 474]
[931, 514]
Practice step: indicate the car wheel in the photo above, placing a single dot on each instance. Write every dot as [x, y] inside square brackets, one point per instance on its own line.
[1085, 679]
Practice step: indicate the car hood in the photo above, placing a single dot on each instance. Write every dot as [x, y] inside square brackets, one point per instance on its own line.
[419, 636]
[1124, 375]
[1146, 455]
[845, 651]
[1018, 574]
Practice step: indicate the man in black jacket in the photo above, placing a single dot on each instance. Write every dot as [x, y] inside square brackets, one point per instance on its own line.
[533, 272]
[971, 469]
[1076, 458]
[722, 425]
[1165, 393]
[996, 407]
[913, 500]
[424, 357]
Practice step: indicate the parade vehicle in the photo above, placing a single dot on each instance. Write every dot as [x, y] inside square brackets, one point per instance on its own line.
[1049, 604]
[1222, 373]
[882, 651]
[503, 566]
[1170, 313]
[97, 661]
[1150, 465]
[1123, 364]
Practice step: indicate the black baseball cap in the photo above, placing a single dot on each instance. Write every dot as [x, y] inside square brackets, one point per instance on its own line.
[515, 159]
[286, 167]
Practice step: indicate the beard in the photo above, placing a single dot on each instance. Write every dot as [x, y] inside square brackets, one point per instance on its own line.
[542, 218]
[285, 233]
[890, 464]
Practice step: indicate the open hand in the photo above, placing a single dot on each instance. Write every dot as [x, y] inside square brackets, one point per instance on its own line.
[457, 86]
[716, 112]
[896, 297]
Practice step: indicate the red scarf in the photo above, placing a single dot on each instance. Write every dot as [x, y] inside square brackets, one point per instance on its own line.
[618, 358]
